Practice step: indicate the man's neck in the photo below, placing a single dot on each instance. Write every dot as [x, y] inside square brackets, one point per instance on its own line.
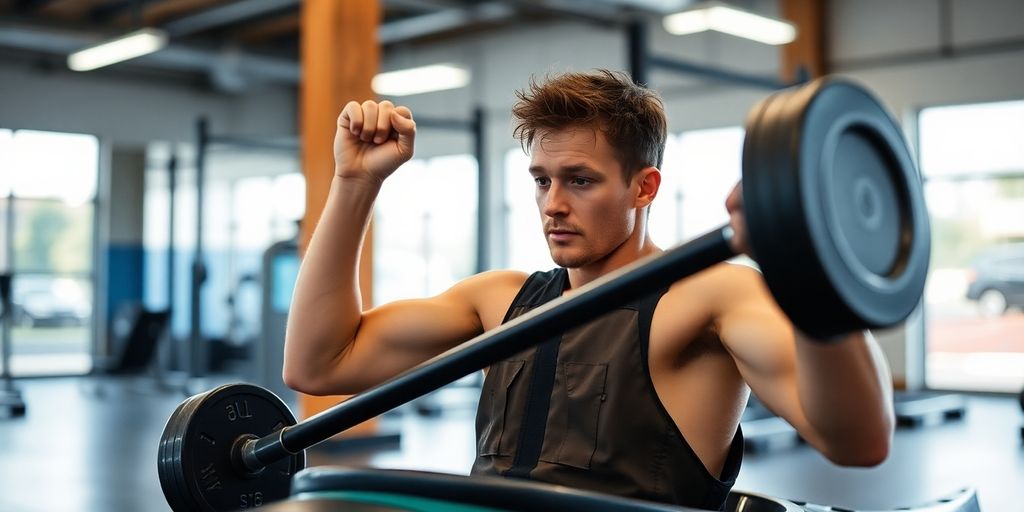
[627, 253]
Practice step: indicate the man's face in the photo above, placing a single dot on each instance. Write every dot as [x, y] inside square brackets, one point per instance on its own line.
[586, 208]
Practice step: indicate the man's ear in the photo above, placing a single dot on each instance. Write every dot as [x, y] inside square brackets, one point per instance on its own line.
[649, 181]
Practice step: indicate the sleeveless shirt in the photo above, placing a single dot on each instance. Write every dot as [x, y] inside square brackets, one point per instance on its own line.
[581, 410]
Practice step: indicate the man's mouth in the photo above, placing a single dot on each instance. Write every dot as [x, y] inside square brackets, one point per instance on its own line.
[561, 235]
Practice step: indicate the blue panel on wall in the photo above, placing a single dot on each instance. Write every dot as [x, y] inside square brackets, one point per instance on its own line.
[124, 271]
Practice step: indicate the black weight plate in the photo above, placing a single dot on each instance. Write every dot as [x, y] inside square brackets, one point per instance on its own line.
[775, 216]
[168, 483]
[853, 140]
[187, 500]
[835, 210]
[172, 481]
[197, 471]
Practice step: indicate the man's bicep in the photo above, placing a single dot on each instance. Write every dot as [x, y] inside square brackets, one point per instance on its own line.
[399, 335]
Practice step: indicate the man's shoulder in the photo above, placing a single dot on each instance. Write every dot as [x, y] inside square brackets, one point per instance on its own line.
[492, 292]
[493, 282]
[721, 278]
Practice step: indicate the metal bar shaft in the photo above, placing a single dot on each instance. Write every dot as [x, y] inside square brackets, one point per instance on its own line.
[588, 302]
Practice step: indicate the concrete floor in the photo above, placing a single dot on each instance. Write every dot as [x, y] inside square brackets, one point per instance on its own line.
[90, 445]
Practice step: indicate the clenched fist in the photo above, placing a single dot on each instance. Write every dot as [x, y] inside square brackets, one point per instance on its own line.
[373, 139]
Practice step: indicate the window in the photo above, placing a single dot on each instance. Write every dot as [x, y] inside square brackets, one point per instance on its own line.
[527, 250]
[425, 228]
[699, 170]
[253, 197]
[973, 166]
[48, 185]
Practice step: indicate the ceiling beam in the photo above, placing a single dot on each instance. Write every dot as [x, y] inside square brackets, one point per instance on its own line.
[443, 21]
[227, 15]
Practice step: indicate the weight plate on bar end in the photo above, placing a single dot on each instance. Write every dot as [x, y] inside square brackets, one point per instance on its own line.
[835, 208]
[196, 467]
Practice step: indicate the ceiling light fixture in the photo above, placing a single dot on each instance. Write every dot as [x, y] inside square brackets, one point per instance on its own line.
[128, 46]
[725, 18]
[406, 82]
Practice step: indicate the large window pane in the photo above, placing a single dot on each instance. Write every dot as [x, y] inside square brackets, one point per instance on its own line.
[974, 171]
[700, 168]
[52, 236]
[253, 197]
[425, 228]
[54, 165]
[972, 139]
[527, 249]
[51, 181]
[51, 319]
[52, 287]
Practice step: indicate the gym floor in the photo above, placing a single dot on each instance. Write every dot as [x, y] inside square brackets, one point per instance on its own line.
[90, 445]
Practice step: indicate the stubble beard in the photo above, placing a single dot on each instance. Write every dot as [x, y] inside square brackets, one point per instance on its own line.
[576, 259]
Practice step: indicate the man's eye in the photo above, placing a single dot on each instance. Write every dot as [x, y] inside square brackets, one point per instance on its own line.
[579, 181]
[541, 181]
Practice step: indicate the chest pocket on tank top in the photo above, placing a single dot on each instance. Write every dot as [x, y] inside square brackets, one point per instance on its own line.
[494, 398]
[572, 430]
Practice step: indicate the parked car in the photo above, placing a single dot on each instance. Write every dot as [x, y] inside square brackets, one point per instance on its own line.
[996, 279]
[41, 300]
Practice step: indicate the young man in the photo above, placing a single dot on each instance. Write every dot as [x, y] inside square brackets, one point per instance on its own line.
[644, 401]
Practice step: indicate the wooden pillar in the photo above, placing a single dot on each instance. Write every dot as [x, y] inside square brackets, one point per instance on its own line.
[807, 52]
[340, 56]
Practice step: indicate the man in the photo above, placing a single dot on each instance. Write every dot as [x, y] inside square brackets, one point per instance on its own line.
[644, 401]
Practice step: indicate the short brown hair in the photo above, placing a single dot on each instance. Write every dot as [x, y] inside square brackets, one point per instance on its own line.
[632, 117]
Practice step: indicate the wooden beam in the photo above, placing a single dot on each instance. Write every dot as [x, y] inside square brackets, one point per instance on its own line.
[340, 56]
[806, 56]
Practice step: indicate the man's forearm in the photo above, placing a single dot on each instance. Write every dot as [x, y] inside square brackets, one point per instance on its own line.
[326, 305]
[846, 392]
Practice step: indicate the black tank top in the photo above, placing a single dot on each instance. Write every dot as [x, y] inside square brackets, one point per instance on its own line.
[580, 410]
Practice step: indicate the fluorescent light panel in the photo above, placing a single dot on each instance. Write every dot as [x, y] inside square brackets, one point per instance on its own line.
[729, 20]
[128, 46]
[406, 82]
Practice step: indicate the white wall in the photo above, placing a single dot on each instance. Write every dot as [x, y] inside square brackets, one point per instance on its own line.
[133, 111]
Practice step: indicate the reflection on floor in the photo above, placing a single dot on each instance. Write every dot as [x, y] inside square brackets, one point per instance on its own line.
[90, 445]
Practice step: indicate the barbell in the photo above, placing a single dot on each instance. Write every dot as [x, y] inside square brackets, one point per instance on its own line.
[836, 221]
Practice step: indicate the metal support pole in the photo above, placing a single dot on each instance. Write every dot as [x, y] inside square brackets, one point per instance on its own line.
[197, 350]
[713, 73]
[172, 186]
[483, 208]
[636, 50]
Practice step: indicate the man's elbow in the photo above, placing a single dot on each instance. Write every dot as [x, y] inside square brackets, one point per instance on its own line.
[319, 381]
[865, 453]
[298, 380]
[303, 380]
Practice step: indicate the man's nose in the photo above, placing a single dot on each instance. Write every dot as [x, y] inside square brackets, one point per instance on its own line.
[555, 203]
